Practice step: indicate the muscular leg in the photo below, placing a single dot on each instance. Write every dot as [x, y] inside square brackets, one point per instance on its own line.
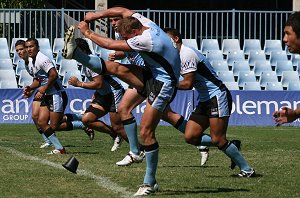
[149, 122]
[130, 100]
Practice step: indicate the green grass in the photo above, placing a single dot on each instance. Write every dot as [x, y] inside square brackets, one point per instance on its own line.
[27, 171]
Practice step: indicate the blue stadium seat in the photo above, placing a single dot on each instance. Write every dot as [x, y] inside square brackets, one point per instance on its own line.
[58, 45]
[25, 79]
[220, 65]
[44, 44]
[6, 64]
[232, 85]
[289, 76]
[67, 65]
[241, 65]
[245, 76]
[68, 74]
[251, 45]
[267, 76]
[226, 76]
[251, 86]
[260, 66]
[20, 67]
[272, 45]
[235, 55]
[256, 56]
[293, 86]
[213, 55]
[9, 84]
[208, 45]
[3, 44]
[283, 66]
[277, 56]
[190, 42]
[230, 45]
[274, 86]
[4, 53]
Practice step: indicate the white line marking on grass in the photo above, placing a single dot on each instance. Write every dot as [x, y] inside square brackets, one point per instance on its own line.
[100, 181]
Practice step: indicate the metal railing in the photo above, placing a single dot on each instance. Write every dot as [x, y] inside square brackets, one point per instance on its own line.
[221, 24]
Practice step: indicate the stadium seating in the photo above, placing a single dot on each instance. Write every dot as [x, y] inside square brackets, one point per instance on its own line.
[4, 54]
[208, 45]
[293, 86]
[251, 45]
[6, 64]
[220, 65]
[274, 86]
[213, 55]
[230, 45]
[20, 67]
[272, 45]
[8, 84]
[260, 66]
[267, 76]
[190, 42]
[232, 85]
[277, 56]
[58, 45]
[44, 44]
[226, 76]
[240, 66]
[245, 76]
[283, 66]
[289, 76]
[67, 65]
[48, 53]
[251, 86]
[235, 55]
[7, 75]
[3, 44]
[256, 56]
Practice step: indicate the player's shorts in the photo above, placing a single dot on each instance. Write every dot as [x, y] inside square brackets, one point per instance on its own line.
[110, 102]
[55, 102]
[217, 107]
[160, 94]
[146, 76]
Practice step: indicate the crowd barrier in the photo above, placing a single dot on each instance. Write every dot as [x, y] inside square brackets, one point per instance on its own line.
[250, 108]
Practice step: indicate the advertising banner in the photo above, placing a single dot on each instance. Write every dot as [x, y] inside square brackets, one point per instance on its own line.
[250, 108]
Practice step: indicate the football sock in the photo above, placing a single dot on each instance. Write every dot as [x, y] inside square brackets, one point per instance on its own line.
[151, 153]
[181, 124]
[46, 140]
[130, 127]
[78, 125]
[206, 140]
[232, 151]
[91, 61]
[50, 133]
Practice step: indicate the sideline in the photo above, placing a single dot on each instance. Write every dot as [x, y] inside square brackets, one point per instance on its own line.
[100, 181]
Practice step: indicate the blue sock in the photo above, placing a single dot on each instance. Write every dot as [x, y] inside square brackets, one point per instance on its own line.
[91, 61]
[46, 139]
[206, 140]
[78, 125]
[181, 124]
[151, 162]
[234, 154]
[50, 133]
[130, 127]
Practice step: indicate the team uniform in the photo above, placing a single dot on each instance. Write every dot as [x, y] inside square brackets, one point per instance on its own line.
[110, 94]
[162, 59]
[55, 97]
[214, 99]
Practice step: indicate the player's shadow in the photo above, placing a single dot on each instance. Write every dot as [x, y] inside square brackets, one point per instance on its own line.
[79, 146]
[200, 191]
[84, 152]
[185, 166]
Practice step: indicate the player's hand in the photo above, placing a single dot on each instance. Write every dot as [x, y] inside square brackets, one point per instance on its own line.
[284, 115]
[112, 56]
[83, 27]
[73, 80]
[89, 16]
[27, 92]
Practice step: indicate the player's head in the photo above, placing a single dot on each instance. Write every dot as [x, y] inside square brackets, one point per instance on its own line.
[114, 22]
[32, 47]
[174, 34]
[83, 45]
[21, 50]
[292, 33]
[129, 27]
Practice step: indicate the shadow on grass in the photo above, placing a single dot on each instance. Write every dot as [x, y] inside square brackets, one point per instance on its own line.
[200, 191]
[185, 166]
[256, 175]
[79, 146]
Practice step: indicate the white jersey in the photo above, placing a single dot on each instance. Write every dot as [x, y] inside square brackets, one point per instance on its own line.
[207, 83]
[110, 84]
[133, 57]
[39, 70]
[158, 51]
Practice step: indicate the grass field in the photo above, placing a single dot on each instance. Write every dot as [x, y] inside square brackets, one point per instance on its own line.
[27, 171]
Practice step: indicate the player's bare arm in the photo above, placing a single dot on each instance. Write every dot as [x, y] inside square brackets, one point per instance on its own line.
[111, 12]
[187, 82]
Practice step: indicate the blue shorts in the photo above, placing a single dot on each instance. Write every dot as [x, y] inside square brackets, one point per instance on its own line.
[110, 102]
[160, 94]
[217, 107]
[55, 102]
